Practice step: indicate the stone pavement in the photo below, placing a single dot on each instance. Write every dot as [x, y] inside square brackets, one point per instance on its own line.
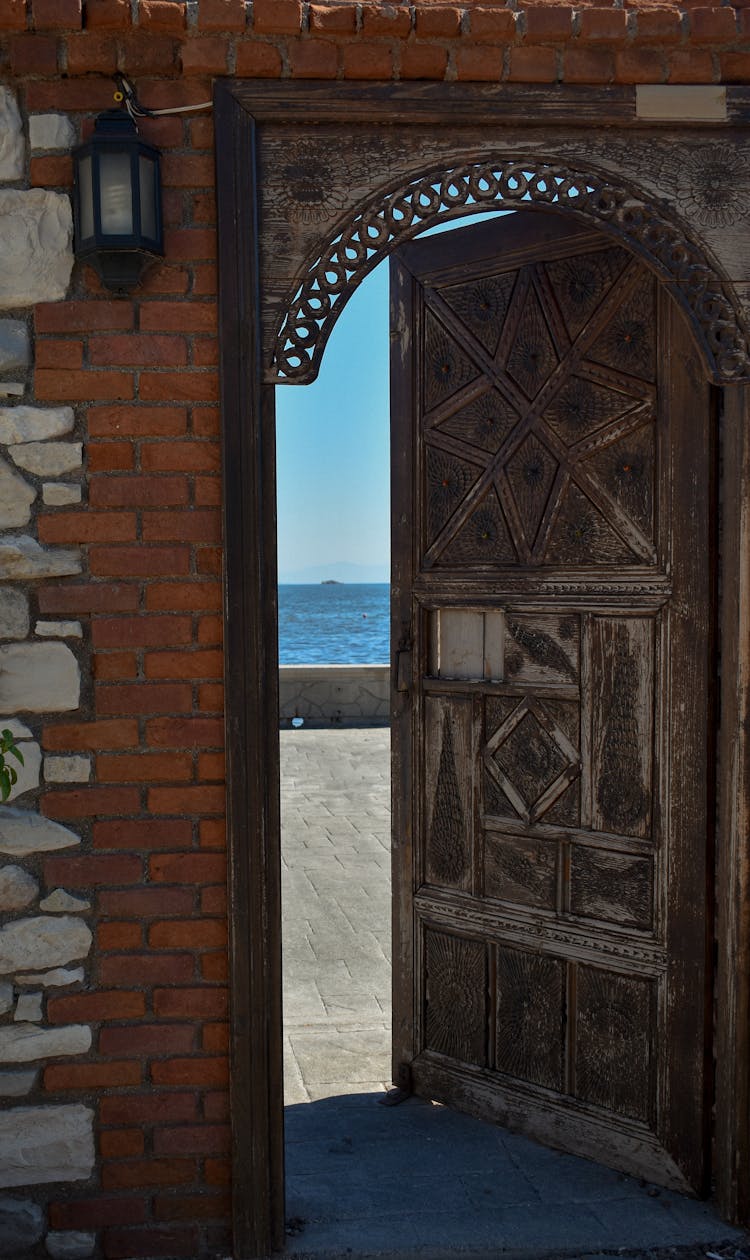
[416, 1180]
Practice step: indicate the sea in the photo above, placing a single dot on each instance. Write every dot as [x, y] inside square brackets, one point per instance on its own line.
[342, 623]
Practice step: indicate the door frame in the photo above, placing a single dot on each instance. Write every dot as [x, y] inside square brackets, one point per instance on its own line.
[250, 621]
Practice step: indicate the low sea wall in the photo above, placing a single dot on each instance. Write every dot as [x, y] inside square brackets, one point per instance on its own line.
[335, 695]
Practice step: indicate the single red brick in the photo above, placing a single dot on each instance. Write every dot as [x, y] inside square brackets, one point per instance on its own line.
[533, 65]
[88, 1214]
[712, 26]
[185, 732]
[386, 19]
[212, 832]
[178, 386]
[215, 1038]
[138, 491]
[423, 61]
[193, 1071]
[205, 279]
[187, 934]
[658, 26]
[640, 65]
[59, 352]
[13, 15]
[71, 95]
[211, 698]
[118, 936]
[93, 870]
[179, 596]
[476, 64]
[161, 15]
[208, 561]
[191, 1003]
[106, 457]
[438, 20]
[221, 15]
[137, 421]
[214, 901]
[32, 54]
[690, 66]
[111, 15]
[147, 1172]
[85, 736]
[67, 317]
[80, 386]
[548, 22]
[205, 349]
[210, 631]
[140, 631]
[603, 24]
[200, 799]
[149, 834]
[367, 61]
[258, 61]
[334, 19]
[136, 349]
[206, 422]
[82, 527]
[146, 903]
[216, 1106]
[588, 65]
[140, 1039]
[208, 491]
[96, 597]
[114, 666]
[218, 1172]
[178, 317]
[188, 868]
[181, 456]
[144, 767]
[138, 562]
[95, 1007]
[91, 802]
[313, 59]
[277, 17]
[201, 663]
[130, 969]
[147, 1109]
[192, 1207]
[120, 1143]
[211, 767]
[215, 967]
[149, 54]
[205, 54]
[735, 67]
[164, 279]
[200, 526]
[143, 698]
[491, 25]
[91, 1076]
[194, 1139]
[89, 53]
[51, 172]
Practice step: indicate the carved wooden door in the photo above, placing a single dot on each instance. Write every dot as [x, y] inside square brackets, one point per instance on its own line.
[552, 625]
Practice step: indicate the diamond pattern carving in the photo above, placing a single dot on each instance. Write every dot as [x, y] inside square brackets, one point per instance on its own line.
[531, 759]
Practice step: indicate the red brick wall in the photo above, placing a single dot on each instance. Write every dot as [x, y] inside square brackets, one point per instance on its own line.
[142, 375]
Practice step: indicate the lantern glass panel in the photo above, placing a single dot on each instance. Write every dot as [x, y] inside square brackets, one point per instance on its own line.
[86, 199]
[148, 197]
[116, 193]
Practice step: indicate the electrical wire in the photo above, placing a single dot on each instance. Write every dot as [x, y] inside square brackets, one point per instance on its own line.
[126, 96]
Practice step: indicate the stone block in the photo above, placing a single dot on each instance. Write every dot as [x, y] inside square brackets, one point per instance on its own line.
[6, 997]
[15, 350]
[59, 629]
[23, 832]
[61, 902]
[16, 1085]
[42, 1144]
[34, 424]
[18, 888]
[28, 773]
[67, 769]
[36, 258]
[56, 495]
[40, 942]
[28, 1008]
[22, 558]
[70, 1244]
[51, 133]
[12, 148]
[48, 459]
[14, 614]
[21, 1226]
[56, 978]
[16, 497]
[12, 389]
[25, 1043]
[39, 678]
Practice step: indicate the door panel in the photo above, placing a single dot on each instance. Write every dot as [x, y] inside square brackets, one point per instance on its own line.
[551, 490]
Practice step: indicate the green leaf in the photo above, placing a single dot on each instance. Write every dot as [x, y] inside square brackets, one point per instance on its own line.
[17, 754]
[4, 785]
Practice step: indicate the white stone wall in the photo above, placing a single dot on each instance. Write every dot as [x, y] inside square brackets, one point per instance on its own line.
[334, 695]
[45, 937]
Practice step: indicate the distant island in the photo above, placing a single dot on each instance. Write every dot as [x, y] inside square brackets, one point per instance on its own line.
[331, 582]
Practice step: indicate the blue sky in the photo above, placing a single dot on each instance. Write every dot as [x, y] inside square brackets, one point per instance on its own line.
[333, 455]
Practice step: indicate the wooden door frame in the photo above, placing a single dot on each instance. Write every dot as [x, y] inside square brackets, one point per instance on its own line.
[251, 659]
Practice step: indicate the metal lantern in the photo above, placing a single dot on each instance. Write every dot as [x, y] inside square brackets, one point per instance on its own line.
[117, 201]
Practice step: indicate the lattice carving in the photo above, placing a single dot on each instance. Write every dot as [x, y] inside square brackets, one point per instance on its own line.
[395, 215]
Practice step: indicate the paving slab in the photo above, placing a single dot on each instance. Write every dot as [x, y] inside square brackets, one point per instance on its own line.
[415, 1181]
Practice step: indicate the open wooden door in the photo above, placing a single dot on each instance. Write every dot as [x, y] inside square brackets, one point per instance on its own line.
[552, 592]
